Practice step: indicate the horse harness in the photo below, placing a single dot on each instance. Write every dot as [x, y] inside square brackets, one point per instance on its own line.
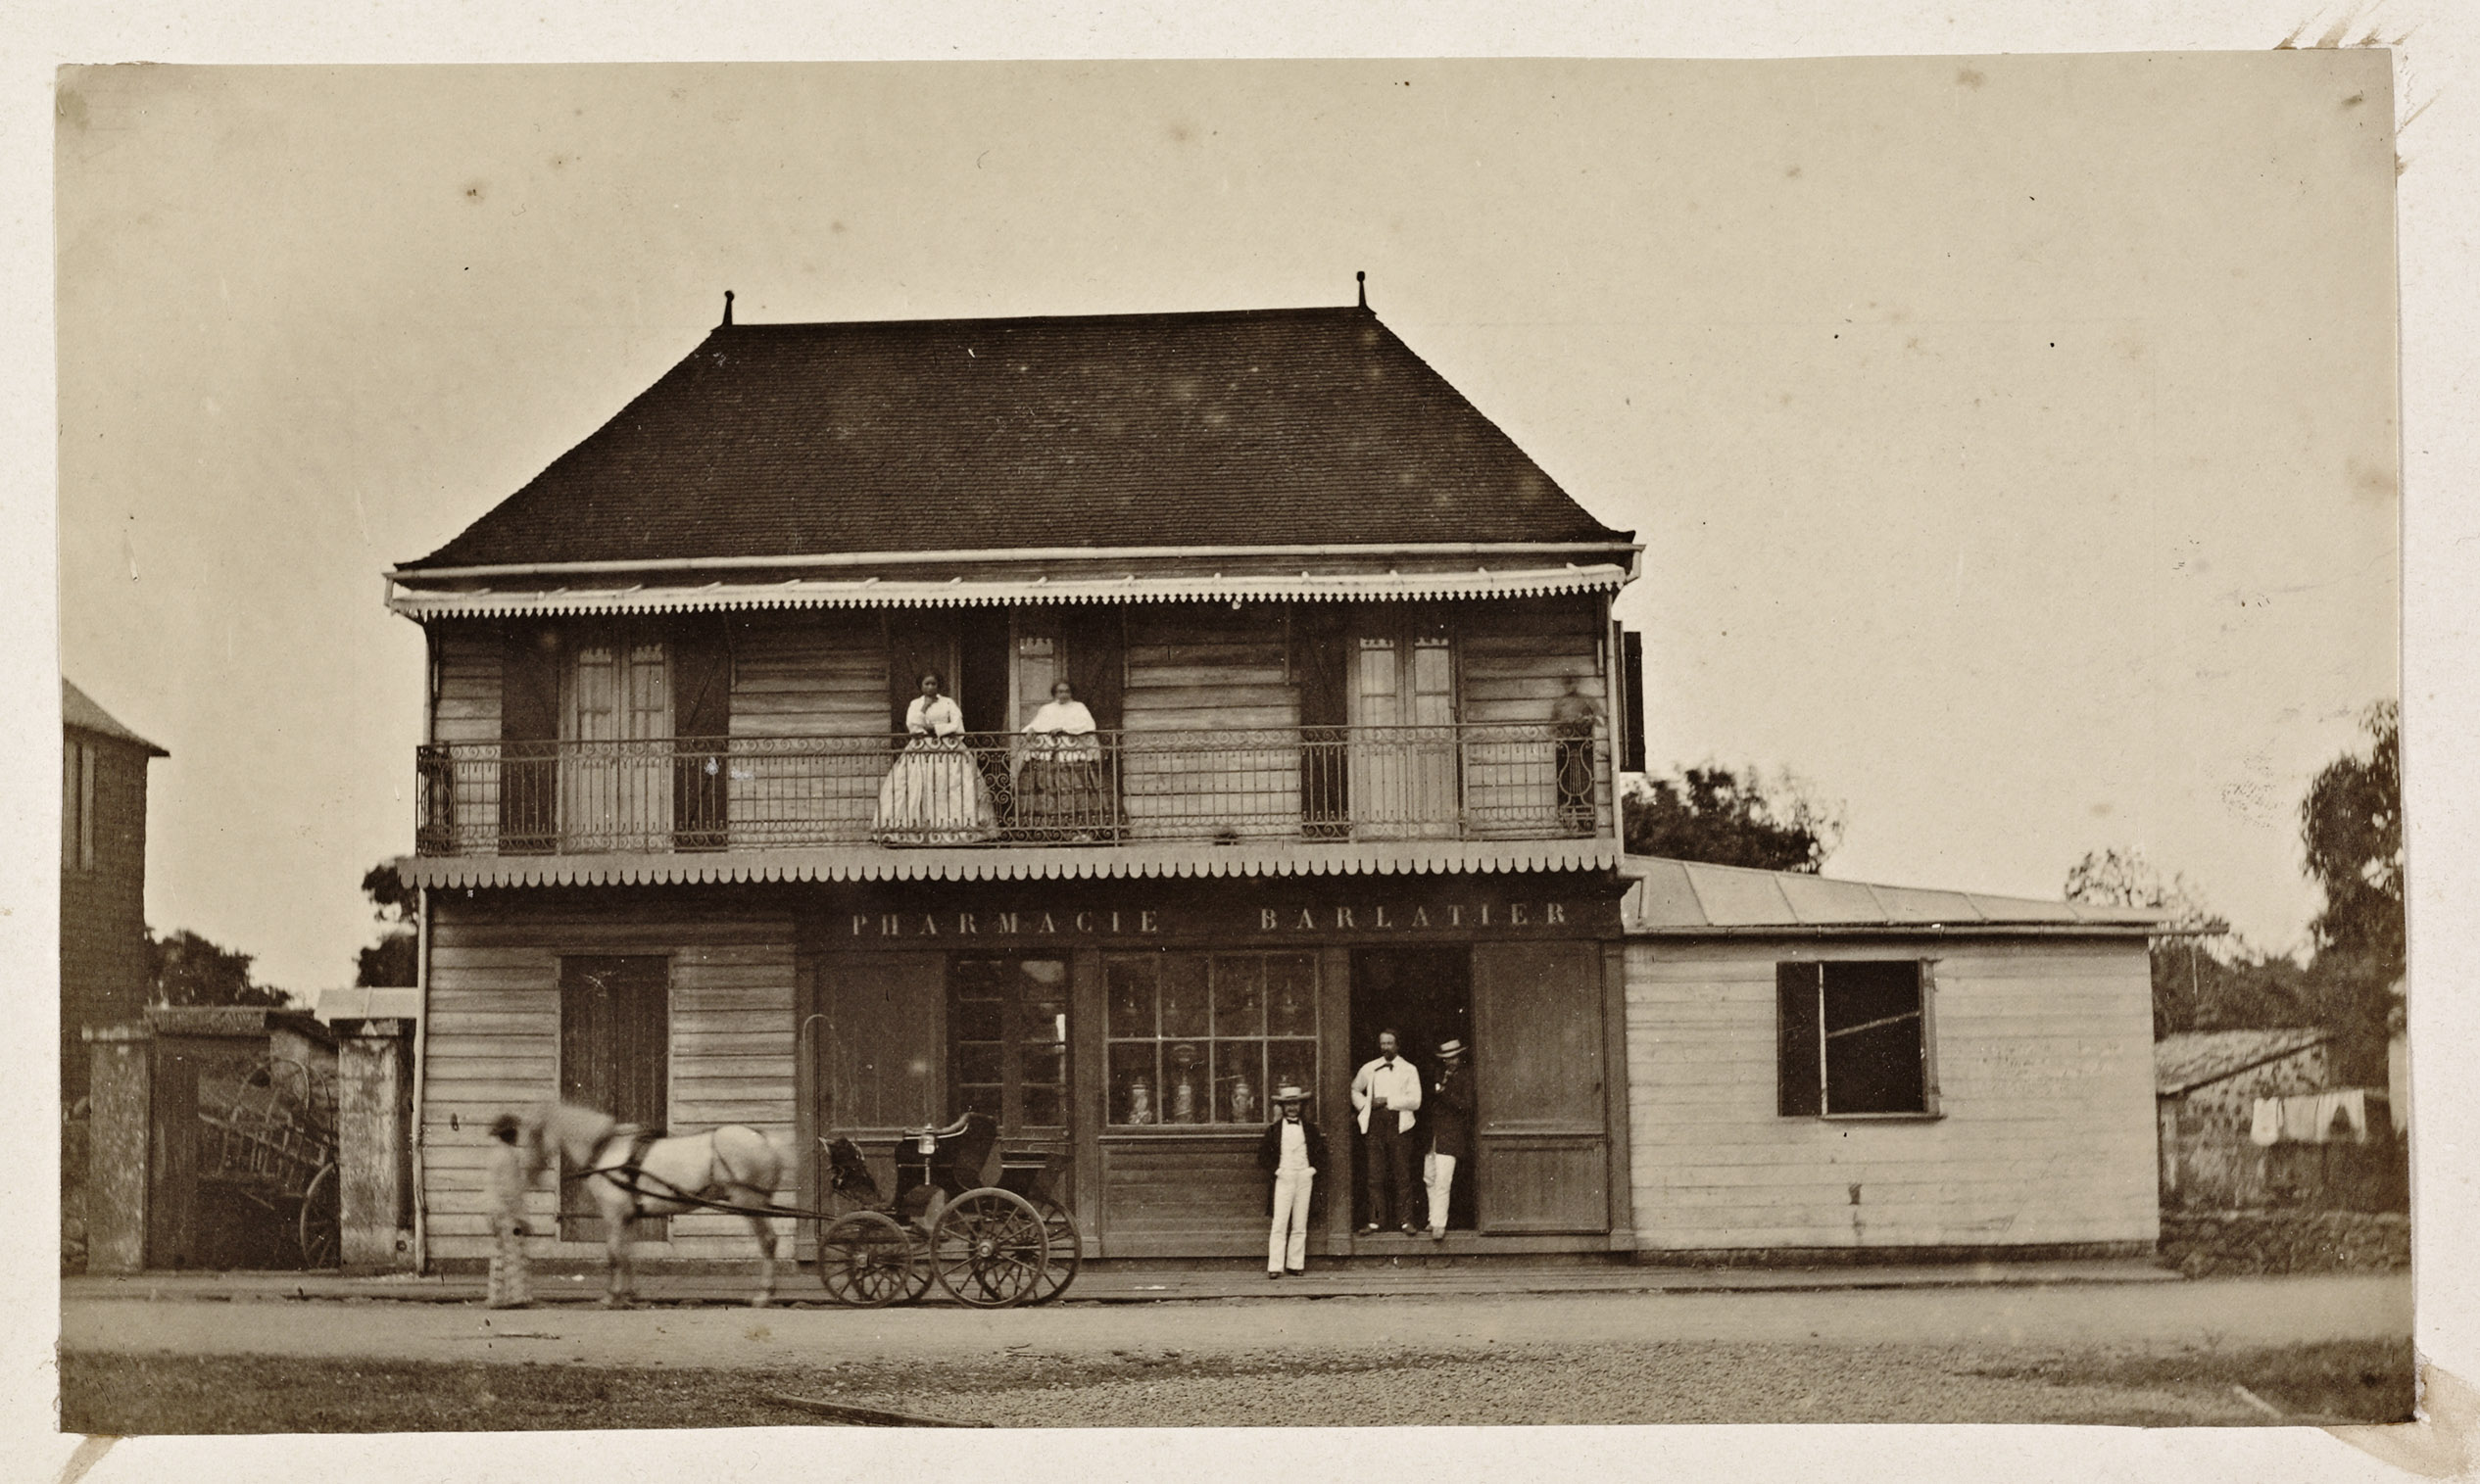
[632, 1166]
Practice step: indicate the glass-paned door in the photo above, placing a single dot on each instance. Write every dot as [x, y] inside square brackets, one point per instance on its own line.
[1007, 1042]
[1404, 755]
[615, 770]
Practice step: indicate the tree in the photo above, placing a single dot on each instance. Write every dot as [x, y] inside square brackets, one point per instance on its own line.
[2205, 976]
[2123, 877]
[2351, 824]
[1713, 814]
[188, 969]
[391, 962]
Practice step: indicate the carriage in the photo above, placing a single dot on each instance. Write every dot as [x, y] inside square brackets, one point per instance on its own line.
[989, 1246]
[269, 1139]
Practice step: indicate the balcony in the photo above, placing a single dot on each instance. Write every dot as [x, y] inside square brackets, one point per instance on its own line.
[1474, 781]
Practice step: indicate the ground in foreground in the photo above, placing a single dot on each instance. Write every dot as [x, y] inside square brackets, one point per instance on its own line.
[2365, 1381]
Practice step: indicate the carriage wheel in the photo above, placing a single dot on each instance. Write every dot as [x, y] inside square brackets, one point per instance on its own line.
[318, 1226]
[866, 1260]
[1063, 1254]
[918, 1278]
[989, 1248]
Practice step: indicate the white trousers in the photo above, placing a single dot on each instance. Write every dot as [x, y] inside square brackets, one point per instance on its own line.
[1438, 1175]
[1287, 1240]
[507, 1287]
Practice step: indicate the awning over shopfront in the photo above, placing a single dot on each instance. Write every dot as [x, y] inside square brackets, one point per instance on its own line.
[1062, 863]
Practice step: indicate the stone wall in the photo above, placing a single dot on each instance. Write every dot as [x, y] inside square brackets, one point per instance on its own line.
[2202, 1244]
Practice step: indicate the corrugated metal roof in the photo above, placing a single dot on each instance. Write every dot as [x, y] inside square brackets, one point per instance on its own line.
[1313, 425]
[78, 710]
[867, 863]
[360, 1002]
[873, 592]
[2190, 1058]
[1691, 896]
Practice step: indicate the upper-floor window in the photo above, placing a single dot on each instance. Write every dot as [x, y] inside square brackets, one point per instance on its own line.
[77, 806]
[1856, 1038]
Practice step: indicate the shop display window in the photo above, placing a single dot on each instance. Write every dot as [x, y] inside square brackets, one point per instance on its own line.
[1201, 1038]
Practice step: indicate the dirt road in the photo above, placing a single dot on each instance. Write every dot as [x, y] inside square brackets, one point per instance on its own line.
[2210, 1315]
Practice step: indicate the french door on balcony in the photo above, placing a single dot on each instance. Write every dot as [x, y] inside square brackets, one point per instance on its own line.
[616, 778]
[1404, 773]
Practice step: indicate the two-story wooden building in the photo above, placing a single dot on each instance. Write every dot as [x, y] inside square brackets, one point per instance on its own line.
[104, 963]
[1343, 706]
[1355, 700]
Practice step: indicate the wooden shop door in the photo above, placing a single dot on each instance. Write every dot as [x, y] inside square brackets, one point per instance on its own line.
[1542, 1146]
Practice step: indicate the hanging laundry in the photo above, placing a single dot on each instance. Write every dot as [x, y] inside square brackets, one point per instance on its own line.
[2343, 1115]
[2266, 1128]
[2301, 1123]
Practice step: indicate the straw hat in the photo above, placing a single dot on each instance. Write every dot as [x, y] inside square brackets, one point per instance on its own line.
[1289, 1092]
[1450, 1047]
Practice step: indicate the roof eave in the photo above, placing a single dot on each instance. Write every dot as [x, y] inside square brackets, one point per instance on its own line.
[1620, 543]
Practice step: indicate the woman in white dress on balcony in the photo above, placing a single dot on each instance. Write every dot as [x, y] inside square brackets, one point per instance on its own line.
[1059, 791]
[934, 794]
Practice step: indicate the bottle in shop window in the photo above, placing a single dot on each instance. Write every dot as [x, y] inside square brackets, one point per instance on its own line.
[1140, 1101]
[1184, 1091]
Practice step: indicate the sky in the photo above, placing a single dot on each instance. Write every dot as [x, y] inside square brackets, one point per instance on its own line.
[2011, 440]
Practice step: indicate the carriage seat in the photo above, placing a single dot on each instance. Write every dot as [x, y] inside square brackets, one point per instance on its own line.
[848, 1172]
[955, 1168]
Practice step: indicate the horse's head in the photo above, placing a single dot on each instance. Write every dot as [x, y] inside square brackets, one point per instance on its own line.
[554, 1130]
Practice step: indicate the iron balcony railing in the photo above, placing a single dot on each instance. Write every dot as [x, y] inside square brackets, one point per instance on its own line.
[1467, 782]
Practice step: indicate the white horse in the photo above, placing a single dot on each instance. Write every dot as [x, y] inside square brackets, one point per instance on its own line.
[630, 1177]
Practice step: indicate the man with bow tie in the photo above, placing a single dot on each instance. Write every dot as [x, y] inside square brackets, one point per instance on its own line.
[1385, 1093]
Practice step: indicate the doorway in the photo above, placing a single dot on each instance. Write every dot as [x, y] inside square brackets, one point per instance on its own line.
[1425, 996]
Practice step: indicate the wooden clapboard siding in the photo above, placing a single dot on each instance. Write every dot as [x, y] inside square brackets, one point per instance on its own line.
[468, 703]
[1213, 671]
[1203, 1196]
[2043, 1067]
[467, 710]
[1515, 660]
[493, 1043]
[818, 678]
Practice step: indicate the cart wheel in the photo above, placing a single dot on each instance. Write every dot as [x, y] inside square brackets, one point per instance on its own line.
[989, 1248]
[866, 1260]
[318, 1225]
[1063, 1253]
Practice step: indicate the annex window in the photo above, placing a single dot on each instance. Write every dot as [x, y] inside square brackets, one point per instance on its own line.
[1856, 1038]
[1199, 1038]
[1007, 1040]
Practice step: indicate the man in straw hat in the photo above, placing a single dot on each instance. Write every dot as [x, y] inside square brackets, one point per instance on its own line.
[1290, 1153]
[1449, 1107]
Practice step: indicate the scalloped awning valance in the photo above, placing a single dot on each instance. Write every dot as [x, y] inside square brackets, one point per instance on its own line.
[911, 592]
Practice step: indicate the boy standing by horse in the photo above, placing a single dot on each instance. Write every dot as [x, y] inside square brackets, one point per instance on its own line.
[505, 1180]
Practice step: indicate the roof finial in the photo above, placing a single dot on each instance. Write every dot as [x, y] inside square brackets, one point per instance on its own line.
[727, 305]
[1362, 279]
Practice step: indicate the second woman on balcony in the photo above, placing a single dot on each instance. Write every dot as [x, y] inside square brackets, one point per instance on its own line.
[934, 794]
[1060, 792]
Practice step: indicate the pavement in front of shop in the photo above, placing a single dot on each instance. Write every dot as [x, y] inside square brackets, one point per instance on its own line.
[1133, 1283]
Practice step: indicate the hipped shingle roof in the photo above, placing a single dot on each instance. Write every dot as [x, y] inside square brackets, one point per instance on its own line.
[1248, 428]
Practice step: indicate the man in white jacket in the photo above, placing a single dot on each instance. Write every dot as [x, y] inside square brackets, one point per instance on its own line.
[1385, 1093]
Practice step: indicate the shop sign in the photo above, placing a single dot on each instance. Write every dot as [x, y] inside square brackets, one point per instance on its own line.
[1294, 921]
